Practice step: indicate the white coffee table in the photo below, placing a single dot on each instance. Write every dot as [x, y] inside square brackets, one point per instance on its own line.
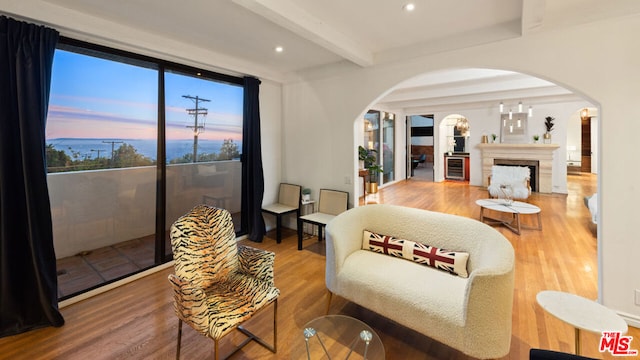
[515, 208]
[581, 313]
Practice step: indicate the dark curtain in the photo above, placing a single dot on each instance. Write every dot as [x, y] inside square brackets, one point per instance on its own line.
[28, 282]
[253, 175]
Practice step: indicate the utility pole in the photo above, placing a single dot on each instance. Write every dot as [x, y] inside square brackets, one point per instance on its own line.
[197, 128]
[98, 151]
[113, 152]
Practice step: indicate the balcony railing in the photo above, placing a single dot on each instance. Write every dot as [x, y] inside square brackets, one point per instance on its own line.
[94, 209]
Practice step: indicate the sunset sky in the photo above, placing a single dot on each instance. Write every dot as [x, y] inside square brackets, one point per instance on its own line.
[96, 98]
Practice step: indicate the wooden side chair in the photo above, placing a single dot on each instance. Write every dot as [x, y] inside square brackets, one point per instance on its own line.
[330, 204]
[289, 197]
[219, 284]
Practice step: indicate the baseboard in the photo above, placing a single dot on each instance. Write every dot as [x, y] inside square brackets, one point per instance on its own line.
[113, 285]
[632, 320]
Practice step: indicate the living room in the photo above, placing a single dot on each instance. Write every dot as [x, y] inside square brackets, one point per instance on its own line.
[323, 103]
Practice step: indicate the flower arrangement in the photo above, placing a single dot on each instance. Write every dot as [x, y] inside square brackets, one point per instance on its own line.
[452, 144]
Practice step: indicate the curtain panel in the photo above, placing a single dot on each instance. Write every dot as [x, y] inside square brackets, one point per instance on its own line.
[28, 281]
[253, 176]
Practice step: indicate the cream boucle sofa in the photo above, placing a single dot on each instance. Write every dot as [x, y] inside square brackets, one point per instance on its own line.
[470, 314]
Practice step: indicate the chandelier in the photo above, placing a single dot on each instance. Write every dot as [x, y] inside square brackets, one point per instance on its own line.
[529, 112]
[462, 124]
[519, 115]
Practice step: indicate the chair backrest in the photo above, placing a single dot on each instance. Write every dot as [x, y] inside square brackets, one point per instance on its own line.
[289, 194]
[204, 245]
[333, 202]
[422, 158]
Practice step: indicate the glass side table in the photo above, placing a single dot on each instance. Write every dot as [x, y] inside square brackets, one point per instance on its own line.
[337, 337]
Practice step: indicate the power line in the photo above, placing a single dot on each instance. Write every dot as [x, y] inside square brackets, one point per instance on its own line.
[197, 128]
[112, 142]
[98, 151]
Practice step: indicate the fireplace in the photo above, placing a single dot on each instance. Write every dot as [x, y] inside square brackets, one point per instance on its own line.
[538, 155]
[531, 164]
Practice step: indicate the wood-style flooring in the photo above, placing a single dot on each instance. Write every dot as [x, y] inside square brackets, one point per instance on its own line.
[136, 321]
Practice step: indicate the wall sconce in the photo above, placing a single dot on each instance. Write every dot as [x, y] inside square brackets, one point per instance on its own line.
[584, 113]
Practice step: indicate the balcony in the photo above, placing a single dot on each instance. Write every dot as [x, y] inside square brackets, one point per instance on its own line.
[104, 220]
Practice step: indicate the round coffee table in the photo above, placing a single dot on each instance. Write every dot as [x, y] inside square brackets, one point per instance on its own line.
[515, 208]
[581, 313]
[337, 337]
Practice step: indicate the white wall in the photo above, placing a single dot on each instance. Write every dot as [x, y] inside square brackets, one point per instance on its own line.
[326, 102]
[272, 144]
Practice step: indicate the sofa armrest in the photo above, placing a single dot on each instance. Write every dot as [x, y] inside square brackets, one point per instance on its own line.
[489, 305]
[257, 263]
[343, 237]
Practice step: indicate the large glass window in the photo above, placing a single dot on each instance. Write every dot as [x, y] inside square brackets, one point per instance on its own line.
[104, 128]
[204, 140]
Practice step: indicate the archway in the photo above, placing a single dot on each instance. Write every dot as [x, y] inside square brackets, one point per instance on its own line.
[483, 107]
[477, 94]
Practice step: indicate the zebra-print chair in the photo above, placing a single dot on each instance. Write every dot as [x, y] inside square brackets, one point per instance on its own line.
[219, 284]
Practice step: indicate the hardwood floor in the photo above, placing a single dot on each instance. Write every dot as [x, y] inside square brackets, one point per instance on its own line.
[136, 321]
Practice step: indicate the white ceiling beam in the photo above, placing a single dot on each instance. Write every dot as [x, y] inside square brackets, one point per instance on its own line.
[292, 17]
[533, 12]
[528, 96]
[507, 84]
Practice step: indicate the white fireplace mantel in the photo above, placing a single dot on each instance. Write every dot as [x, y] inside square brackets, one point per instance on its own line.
[543, 153]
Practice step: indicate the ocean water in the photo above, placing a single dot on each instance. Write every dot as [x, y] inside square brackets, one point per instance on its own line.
[89, 148]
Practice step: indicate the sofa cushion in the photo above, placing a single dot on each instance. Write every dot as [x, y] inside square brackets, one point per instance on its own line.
[454, 262]
[415, 295]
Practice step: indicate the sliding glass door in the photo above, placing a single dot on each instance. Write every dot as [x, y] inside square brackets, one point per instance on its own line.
[204, 140]
[132, 144]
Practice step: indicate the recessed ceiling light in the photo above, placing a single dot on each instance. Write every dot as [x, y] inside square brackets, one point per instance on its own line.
[409, 7]
[279, 49]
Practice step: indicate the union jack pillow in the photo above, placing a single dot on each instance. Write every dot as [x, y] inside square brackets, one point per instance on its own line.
[454, 262]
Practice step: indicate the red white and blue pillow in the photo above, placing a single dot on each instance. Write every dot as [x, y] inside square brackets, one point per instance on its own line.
[454, 262]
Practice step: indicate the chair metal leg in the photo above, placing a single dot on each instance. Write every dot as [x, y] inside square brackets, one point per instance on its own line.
[278, 228]
[329, 302]
[179, 338]
[275, 326]
[250, 337]
[299, 233]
